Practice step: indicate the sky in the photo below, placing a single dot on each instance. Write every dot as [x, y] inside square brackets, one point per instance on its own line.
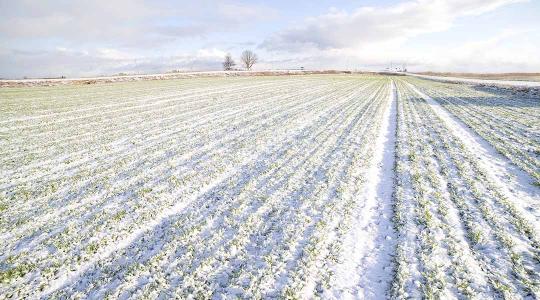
[105, 37]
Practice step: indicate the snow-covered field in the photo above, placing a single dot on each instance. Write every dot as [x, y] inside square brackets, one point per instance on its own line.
[512, 83]
[332, 186]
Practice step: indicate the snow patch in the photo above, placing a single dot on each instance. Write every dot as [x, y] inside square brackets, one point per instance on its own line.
[513, 182]
[480, 81]
[366, 271]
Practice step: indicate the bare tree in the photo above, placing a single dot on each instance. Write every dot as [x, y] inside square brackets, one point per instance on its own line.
[228, 63]
[248, 59]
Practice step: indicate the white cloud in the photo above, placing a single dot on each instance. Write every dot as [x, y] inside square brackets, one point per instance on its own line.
[114, 54]
[236, 12]
[372, 37]
[372, 25]
[125, 23]
[506, 51]
[73, 63]
[211, 53]
[59, 37]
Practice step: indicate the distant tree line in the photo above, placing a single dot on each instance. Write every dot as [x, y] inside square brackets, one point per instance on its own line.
[247, 60]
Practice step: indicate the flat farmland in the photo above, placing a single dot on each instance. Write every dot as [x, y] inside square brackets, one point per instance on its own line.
[332, 186]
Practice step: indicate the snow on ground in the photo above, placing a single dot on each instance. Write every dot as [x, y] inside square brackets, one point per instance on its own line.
[331, 186]
[453, 219]
[516, 83]
[158, 76]
[365, 270]
[514, 182]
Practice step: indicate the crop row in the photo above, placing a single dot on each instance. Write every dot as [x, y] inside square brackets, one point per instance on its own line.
[511, 123]
[458, 234]
[187, 193]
